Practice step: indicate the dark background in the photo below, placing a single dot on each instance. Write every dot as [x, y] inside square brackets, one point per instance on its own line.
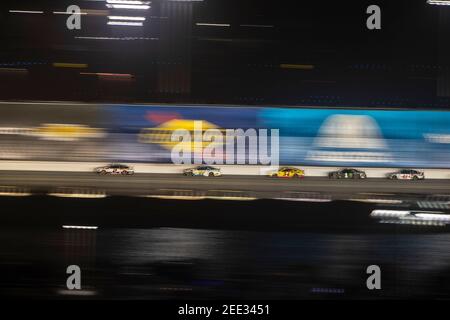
[171, 59]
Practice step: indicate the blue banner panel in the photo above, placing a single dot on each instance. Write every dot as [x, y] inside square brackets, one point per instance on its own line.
[373, 138]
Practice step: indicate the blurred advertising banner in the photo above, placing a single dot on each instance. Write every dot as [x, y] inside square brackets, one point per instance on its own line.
[340, 137]
[144, 133]
[51, 131]
[307, 136]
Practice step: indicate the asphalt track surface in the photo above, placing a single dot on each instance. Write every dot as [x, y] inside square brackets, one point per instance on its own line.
[259, 186]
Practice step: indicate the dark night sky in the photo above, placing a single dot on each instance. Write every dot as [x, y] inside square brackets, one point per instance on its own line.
[247, 59]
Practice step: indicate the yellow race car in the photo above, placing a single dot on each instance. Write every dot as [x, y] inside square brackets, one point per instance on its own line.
[288, 172]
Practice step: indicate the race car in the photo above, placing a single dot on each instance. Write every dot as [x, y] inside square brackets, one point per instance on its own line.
[114, 168]
[407, 174]
[347, 174]
[288, 172]
[206, 171]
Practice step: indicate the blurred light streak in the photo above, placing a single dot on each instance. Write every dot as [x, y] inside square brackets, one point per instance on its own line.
[80, 227]
[112, 76]
[16, 130]
[304, 199]
[297, 66]
[421, 218]
[13, 191]
[433, 204]
[78, 195]
[15, 194]
[415, 222]
[175, 197]
[127, 2]
[128, 6]
[213, 24]
[430, 216]
[126, 18]
[231, 198]
[13, 70]
[26, 11]
[70, 13]
[116, 38]
[390, 213]
[383, 201]
[125, 23]
[439, 2]
[70, 65]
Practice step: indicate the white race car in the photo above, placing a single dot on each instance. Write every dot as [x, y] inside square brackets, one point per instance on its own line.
[206, 171]
[115, 168]
[407, 174]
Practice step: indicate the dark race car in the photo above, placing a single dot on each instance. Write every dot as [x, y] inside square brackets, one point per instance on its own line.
[347, 174]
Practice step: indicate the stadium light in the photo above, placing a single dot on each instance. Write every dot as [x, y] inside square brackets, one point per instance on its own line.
[126, 18]
[26, 11]
[128, 4]
[439, 2]
[125, 23]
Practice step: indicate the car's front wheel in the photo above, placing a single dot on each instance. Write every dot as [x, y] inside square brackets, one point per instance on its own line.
[211, 174]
